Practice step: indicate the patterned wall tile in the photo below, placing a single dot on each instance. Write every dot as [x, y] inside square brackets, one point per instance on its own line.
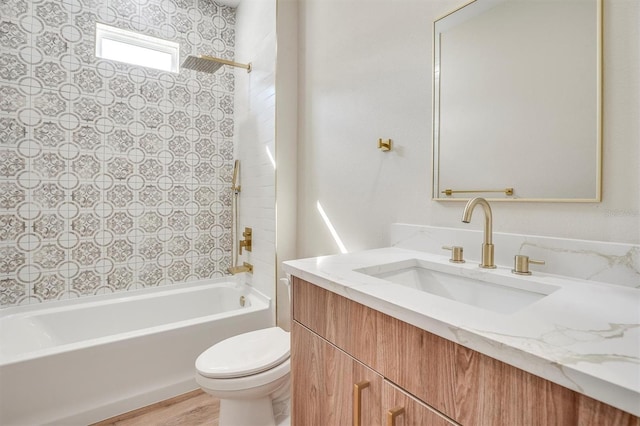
[86, 225]
[49, 256]
[120, 278]
[13, 9]
[12, 36]
[49, 226]
[52, 13]
[120, 251]
[49, 287]
[11, 227]
[86, 283]
[11, 292]
[109, 173]
[86, 253]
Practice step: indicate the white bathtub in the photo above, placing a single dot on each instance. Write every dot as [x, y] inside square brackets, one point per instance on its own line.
[84, 360]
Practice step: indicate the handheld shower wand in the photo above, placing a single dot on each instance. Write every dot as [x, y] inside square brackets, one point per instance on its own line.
[235, 267]
[234, 182]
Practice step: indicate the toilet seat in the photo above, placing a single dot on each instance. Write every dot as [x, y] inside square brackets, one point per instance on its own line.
[245, 354]
[224, 388]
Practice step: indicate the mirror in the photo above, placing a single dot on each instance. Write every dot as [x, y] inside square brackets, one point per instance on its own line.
[517, 101]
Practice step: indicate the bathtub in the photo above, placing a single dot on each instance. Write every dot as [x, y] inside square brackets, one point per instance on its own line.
[84, 360]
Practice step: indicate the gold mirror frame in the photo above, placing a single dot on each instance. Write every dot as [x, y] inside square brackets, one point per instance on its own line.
[511, 194]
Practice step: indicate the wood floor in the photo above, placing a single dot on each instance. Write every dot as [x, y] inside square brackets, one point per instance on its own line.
[191, 409]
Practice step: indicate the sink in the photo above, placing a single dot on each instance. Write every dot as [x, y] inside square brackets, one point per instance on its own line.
[505, 297]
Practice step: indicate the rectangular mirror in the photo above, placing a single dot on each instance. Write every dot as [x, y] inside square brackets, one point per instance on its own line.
[517, 101]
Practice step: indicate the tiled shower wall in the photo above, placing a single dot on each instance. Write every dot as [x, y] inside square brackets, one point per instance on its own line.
[112, 177]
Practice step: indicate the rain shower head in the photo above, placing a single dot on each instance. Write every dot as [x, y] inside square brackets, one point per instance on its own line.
[210, 64]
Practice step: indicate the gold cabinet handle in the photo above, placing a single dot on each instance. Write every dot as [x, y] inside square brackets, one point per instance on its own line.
[357, 401]
[393, 414]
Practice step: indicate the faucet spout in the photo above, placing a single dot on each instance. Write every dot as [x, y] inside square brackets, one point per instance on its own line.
[487, 245]
[245, 267]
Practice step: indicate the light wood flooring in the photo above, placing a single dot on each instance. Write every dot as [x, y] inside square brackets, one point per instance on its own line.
[191, 409]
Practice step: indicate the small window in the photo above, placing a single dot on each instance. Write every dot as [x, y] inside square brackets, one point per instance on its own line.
[136, 49]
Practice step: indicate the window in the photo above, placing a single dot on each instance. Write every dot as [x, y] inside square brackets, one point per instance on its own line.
[136, 49]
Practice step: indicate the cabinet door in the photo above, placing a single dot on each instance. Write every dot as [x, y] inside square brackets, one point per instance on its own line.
[346, 324]
[402, 409]
[323, 380]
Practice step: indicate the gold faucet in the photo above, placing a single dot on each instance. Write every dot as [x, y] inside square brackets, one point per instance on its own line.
[487, 246]
[246, 243]
[246, 267]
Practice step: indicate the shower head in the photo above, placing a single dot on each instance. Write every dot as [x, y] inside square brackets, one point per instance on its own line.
[210, 64]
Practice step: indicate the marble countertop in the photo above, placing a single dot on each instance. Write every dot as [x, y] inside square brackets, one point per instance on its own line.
[584, 336]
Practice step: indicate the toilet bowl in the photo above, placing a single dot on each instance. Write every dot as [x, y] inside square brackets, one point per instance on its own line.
[248, 373]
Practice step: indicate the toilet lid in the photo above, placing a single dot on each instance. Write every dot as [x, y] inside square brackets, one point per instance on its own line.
[245, 354]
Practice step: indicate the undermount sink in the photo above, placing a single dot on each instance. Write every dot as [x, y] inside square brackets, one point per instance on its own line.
[420, 275]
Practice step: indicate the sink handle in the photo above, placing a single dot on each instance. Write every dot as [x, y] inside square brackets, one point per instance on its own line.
[457, 255]
[521, 264]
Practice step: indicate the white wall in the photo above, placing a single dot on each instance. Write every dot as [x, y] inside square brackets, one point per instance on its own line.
[365, 73]
[286, 150]
[255, 133]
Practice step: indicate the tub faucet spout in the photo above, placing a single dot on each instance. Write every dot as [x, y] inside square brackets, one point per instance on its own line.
[487, 245]
[245, 267]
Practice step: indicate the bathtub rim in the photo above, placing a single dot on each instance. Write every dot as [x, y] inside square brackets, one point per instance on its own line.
[259, 301]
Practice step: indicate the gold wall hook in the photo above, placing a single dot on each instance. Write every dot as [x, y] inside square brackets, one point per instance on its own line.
[384, 145]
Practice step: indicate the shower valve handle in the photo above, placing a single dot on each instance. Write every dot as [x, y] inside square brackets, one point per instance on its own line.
[246, 243]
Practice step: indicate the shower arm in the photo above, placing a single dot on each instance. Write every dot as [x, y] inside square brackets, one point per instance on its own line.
[227, 62]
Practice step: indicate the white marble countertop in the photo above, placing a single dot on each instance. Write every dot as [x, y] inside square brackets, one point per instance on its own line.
[584, 336]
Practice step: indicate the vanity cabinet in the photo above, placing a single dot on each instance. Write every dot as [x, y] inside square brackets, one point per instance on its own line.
[337, 343]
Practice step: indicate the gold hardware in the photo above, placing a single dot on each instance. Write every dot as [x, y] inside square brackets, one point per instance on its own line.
[521, 264]
[246, 243]
[226, 62]
[243, 301]
[385, 145]
[246, 267]
[234, 180]
[487, 246]
[507, 191]
[357, 401]
[456, 254]
[392, 414]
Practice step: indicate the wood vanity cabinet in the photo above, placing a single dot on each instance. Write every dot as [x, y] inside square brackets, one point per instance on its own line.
[338, 343]
[331, 387]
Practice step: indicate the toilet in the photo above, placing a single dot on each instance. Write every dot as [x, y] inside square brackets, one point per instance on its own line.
[248, 373]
